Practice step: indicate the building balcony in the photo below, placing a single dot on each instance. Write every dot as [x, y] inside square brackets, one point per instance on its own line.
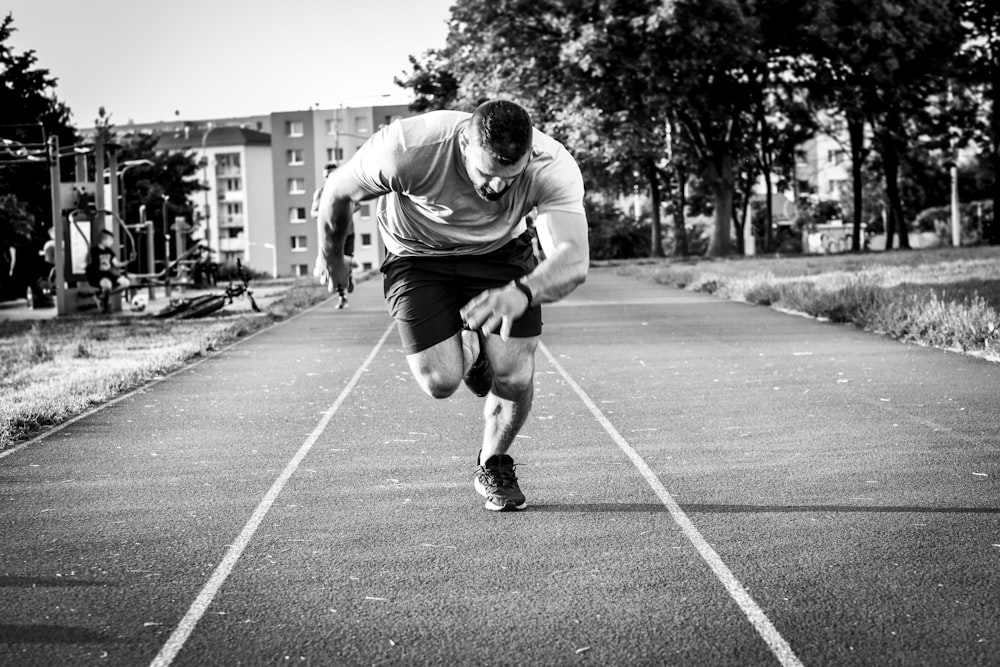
[228, 172]
[226, 221]
[230, 195]
[232, 245]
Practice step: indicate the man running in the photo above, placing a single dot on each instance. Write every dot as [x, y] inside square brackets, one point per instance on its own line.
[460, 276]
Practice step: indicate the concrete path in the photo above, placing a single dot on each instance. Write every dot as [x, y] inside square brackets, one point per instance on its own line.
[709, 483]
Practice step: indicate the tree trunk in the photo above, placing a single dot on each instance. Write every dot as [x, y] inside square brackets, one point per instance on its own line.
[856, 132]
[991, 226]
[722, 173]
[890, 164]
[656, 247]
[680, 229]
[768, 240]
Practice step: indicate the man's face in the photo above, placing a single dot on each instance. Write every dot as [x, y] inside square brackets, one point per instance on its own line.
[490, 178]
[106, 241]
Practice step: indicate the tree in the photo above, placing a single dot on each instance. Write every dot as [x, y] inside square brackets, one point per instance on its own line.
[581, 68]
[713, 60]
[29, 113]
[887, 64]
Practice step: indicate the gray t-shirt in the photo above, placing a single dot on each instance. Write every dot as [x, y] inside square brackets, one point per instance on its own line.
[430, 206]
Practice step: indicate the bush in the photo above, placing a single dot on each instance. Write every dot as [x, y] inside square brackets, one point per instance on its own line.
[227, 272]
[971, 216]
[614, 234]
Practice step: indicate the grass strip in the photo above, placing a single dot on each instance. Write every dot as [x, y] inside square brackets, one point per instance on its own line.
[948, 299]
[53, 369]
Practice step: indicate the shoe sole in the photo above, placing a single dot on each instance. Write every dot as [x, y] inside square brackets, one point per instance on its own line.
[493, 507]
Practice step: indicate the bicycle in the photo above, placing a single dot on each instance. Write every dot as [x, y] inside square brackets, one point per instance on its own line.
[206, 304]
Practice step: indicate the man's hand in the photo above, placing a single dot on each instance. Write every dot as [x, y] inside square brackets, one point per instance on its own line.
[334, 271]
[495, 307]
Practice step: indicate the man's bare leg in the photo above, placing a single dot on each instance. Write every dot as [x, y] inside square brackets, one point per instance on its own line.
[439, 369]
[508, 404]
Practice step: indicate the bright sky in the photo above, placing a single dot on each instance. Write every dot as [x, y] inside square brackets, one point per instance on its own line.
[143, 61]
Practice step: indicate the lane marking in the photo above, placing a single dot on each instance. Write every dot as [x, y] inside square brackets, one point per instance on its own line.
[779, 647]
[187, 365]
[201, 603]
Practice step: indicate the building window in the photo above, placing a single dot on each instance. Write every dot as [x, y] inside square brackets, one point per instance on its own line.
[299, 244]
[297, 214]
[234, 232]
[334, 154]
[300, 269]
[366, 240]
[296, 156]
[294, 128]
[234, 208]
[366, 266]
[366, 210]
[233, 185]
[333, 125]
[361, 125]
[296, 186]
[227, 161]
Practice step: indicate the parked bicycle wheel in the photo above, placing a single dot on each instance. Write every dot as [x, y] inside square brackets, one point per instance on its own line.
[213, 303]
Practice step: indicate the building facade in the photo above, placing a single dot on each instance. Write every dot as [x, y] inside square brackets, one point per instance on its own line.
[234, 214]
[261, 173]
[302, 143]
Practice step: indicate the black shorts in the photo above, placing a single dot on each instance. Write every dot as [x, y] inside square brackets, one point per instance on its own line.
[425, 294]
[95, 278]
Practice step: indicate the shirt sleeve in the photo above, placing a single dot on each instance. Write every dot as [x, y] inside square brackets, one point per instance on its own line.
[561, 186]
[376, 164]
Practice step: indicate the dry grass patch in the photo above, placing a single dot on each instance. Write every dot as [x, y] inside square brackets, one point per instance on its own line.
[947, 298]
[51, 370]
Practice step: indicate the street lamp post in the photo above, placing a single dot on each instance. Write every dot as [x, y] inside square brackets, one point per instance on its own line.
[166, 246]
[274, 258]
[206, 213]
[274, 255]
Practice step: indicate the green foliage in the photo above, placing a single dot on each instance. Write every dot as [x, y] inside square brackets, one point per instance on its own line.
[972, 216]
[29, 113]
[614, 234]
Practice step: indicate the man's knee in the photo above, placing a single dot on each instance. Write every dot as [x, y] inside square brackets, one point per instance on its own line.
[438, 384]
[436, 379]
[515, 383]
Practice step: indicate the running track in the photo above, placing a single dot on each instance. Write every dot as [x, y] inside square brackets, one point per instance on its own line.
[709, 483]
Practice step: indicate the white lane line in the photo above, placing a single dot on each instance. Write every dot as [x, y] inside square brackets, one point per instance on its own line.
[781, 649]
[200, 605]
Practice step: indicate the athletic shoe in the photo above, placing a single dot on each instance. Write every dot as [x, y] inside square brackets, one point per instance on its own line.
[479, 379]
[495, 480]
[342, 303]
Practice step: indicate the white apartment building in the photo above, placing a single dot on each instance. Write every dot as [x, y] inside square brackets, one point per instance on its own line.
[235, 215]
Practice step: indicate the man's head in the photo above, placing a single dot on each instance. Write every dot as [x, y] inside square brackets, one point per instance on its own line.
[497, 147]
[107, 239]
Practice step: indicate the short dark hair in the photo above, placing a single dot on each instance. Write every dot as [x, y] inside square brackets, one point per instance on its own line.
[504, 129]
[330, 166]
[107, 232]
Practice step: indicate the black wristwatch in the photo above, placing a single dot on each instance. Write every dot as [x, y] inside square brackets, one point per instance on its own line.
[520, 284]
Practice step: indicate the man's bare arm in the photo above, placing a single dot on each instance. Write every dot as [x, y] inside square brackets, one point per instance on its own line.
[563, 237]
[336, 207]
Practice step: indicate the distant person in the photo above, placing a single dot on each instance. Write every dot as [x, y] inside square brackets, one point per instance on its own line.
[205, 268]
[48, 253]
[105, 270]
[328, 169]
